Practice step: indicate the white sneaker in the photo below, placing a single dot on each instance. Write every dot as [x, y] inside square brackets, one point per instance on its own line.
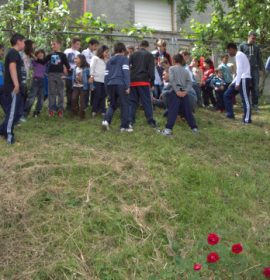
[195, 130]
[105, 125]
[166, 132]
[126, 129]
[94, 115]
[22, 119]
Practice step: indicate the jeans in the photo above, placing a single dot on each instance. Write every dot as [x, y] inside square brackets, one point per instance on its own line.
[140, 93]
[117, 95]
[56, 91]
[255, 91]
[69, 91]
[78, 97]
[198, 91]
[179, 105]
[37, 90]
[99, 98]
[228, 97]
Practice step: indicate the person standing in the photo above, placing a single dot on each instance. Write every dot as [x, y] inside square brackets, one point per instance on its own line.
[13, 87]
[240, 83]
[71, 54]
[253, 52]
[142, 72]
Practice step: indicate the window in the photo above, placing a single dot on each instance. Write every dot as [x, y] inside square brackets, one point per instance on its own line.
[157, 14]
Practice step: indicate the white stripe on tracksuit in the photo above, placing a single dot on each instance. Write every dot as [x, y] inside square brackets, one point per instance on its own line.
[246, 99]
[11, 117]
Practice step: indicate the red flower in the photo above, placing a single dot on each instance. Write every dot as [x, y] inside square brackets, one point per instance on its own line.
[213, 257]
[237, 248]
[197, 266]
[213, 239]
[266, 272]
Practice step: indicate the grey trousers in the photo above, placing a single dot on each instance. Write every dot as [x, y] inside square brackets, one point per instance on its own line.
[56, 92]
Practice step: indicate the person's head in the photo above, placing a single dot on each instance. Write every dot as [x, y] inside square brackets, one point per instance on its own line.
[130, 50]
[56, 45]
[219, 72]
[179, 59]
[17, 41]
[120, 48]
[93, 45]
[195, 62]
[2, 50]
[161, 45]
[165, 75]
[225, 58]
[186, 56]
[144, 44]
[164, 63]
[40, 54]
[252, 37]
[76, 43]
[103, 52]
[208, 63]
[29, 47]
[232, 49]
[81, 61]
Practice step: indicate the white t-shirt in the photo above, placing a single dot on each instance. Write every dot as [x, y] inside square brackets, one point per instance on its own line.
[88, 55]
[71, 54]
[78, 77]
[97, 69]
[242, 68]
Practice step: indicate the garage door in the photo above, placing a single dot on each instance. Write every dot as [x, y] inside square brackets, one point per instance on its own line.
[156, 14]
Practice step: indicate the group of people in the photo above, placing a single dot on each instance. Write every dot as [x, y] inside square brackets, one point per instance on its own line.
[127, 79]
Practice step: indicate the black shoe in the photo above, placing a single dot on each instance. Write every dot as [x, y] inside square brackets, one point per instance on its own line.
[153, 123]
[36, 114]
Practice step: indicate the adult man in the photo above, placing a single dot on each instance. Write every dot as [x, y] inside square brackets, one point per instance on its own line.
[142, 72]
[14, 67]
[253, 52]
[240, 83]
[71, 54]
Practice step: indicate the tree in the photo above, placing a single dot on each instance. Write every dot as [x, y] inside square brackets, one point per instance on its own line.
[230, 20]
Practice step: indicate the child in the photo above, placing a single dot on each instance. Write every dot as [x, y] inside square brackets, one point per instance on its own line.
[208, 71]
[178, 101]
[2, 51]
[80, 85]
[162, 52]
[12, 98]
[97, 71]
[219, 85]
[37, 88]
[198, 75]
[158, 84]
[57, 60]
[226, 70]
[117, 81]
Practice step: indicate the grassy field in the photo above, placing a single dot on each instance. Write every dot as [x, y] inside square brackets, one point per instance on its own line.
[78, 203]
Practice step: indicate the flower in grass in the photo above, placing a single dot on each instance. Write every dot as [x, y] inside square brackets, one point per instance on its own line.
[213, 257]
[197, 266]
[266, 272]
[237, 248]
[213, 239]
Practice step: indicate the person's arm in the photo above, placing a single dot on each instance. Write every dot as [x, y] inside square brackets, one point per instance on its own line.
[65, 61]
[107, 73]
[126, 73]
[188, 83]
[172, 80]
[93, 69]
[239, 70]
[260, 60]
[151, 70]
[14, 77]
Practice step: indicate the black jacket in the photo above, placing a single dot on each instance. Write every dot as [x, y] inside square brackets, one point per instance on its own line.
[253, 52]
[142, 67]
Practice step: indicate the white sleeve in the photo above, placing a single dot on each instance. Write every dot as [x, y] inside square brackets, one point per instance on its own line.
[239, 70]
[93, 66]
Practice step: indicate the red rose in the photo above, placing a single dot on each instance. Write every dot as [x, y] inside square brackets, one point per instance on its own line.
[266, 272]
[197, 266]
[237, 248]
[213, 239]
[213, 257]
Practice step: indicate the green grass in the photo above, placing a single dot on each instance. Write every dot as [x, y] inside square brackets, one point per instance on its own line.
[78, 203]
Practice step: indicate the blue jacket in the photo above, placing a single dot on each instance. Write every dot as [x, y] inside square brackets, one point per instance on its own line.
[86, 75]
[117, 71]
[217, 82]
[1, 74]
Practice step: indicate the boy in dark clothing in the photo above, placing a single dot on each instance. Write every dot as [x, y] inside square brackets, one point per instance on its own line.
[2, 50]
[117, 81]
[12, 97]
[142, 70]
[57, 60]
